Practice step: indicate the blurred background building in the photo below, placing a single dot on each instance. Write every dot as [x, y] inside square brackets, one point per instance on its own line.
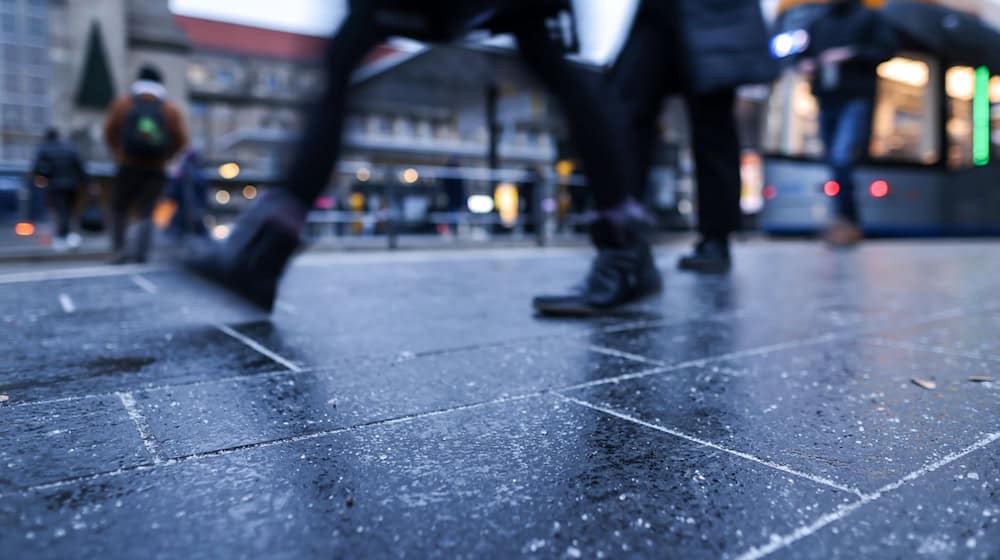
[241, 86]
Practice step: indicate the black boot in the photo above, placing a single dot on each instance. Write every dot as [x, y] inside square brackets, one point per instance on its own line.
[711, 255]
[623, 271]
[251, 261]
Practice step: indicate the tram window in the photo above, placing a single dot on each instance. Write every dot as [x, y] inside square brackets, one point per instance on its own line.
[960, 84]
[792, 125]
[906, 116]
[904, 121]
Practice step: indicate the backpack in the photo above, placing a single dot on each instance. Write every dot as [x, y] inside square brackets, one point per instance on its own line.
[146, 132]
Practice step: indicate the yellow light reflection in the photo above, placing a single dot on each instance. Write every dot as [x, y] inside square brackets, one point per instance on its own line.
[410, 176]
[960, 83]
[905, 71]
[222, 197]
[229, 171]
[505, 199]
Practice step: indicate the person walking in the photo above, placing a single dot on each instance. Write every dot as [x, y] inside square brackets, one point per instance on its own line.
[254, 257]
[845, 48]
[702, 51]
[143, 131]
[60, 170]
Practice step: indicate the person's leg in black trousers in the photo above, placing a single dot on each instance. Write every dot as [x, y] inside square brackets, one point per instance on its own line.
[716, 148]
[624, 269]
[150, 183]
[255, 255]
[125, 187]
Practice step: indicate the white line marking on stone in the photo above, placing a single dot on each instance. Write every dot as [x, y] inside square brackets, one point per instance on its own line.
[260, 348]
[75, 273]
[845, 510]
[625, 355]
[67, 303]
[142, 426]
[777, 466]
[144, 284]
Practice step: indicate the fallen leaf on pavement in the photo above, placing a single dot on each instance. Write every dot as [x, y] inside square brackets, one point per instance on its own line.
[924, 384]
[980, 379]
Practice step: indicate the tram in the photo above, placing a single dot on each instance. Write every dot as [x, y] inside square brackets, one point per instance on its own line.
[933, 166]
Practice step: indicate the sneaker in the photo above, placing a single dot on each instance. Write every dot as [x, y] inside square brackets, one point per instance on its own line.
[74, 241]
[59, 244]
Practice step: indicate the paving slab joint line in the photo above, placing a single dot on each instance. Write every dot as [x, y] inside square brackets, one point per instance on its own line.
[260, 348]
[705, 443]
[142, 426]
[166, 462]
[144, 284]
[843, 511]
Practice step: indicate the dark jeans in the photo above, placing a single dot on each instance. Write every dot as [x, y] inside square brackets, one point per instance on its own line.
[650, 68]
[63, 201]
[136, 189]
[846, 129]
[592, 127]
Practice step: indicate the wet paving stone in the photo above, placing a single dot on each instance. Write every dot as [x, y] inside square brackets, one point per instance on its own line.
[975, 335]
[112, 358]
[845, 410]
[536, 478]
[58, 441]
[951, 513]
[207, 417]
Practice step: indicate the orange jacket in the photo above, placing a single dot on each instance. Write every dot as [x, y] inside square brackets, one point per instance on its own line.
[115, 123]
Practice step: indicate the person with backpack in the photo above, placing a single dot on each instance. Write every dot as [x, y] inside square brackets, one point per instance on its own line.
[60, 171]
[144, 131]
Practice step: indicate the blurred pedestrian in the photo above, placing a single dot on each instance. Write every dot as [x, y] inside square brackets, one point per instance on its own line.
[454, 191]
[144, 131]
[60, 170]
[703, 51]
[254, 257]
[188, 188]
[845, 48]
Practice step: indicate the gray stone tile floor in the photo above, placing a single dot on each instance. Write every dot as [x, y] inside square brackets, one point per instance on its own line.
[411, 405]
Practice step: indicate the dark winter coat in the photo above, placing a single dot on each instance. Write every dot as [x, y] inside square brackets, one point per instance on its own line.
[724, 43]
[868, 35]
[61, 166]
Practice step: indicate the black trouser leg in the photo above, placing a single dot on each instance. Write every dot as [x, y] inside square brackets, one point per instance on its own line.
[62, 204]
[319, 147]
[717, 160]
[598, 135]
[643, 75]
[151, 188]
[121, 200]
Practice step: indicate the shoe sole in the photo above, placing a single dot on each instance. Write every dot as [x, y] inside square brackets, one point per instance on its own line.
[704, 268]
